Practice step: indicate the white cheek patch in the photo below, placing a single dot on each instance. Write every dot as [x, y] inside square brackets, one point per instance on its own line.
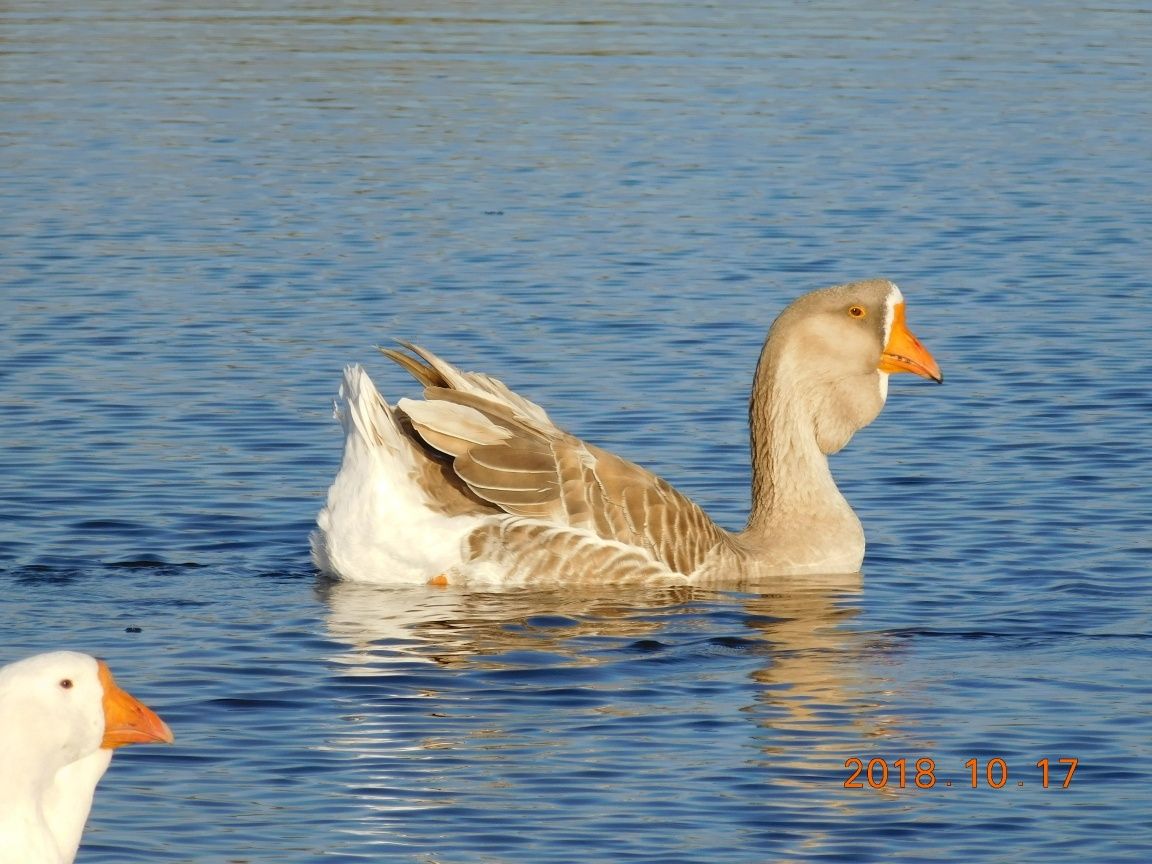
[883, 387]
[895, 298]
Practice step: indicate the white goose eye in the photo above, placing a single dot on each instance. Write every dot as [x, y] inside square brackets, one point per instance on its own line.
[857, 311]
[66, 683]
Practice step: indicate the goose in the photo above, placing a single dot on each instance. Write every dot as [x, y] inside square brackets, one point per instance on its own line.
[61, 716]
[475, 483]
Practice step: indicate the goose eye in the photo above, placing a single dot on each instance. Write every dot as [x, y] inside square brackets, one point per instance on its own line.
[66, 683]
[857, 311]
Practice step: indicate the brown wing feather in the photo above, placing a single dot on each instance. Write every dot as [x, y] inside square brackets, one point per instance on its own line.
[433, 372]
[631, 504]
[422, 372]
[507, 456]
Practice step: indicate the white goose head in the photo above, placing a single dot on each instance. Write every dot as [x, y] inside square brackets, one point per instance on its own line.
[61, 715]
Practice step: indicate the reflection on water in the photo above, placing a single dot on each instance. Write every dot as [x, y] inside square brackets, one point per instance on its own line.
[651, 657]
[796, 617]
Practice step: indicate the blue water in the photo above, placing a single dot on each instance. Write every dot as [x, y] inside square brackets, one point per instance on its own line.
[209, 210]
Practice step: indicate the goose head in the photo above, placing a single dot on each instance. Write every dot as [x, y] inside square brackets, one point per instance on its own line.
[67, 705]
[61, 716]
[829, 354]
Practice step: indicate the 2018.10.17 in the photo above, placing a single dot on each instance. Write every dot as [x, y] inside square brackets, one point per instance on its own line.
[878, 773]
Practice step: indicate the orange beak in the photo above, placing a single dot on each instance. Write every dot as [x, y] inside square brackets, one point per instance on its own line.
[127, 720]
[904, 353]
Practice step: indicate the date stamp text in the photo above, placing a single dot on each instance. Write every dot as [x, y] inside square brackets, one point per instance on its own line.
[922, 773]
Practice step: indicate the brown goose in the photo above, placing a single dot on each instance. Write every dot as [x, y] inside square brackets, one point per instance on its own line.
[475, 482]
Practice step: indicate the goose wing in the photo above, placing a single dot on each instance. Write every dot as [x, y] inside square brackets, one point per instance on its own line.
[507, 451]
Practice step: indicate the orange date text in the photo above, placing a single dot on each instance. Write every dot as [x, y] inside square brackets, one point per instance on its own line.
[922, 773]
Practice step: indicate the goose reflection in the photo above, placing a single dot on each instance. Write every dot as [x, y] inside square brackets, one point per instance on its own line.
[807, 658]
[592, 701]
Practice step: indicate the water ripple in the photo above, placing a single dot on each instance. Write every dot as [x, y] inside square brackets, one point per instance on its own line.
[211, 210]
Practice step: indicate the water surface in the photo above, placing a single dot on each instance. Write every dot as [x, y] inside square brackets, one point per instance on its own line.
[209, 210]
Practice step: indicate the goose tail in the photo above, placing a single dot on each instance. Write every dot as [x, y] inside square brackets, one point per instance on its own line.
[372, 442]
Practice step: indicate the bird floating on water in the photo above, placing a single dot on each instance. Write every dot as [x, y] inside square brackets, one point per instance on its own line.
[61, 716]
[475, 482]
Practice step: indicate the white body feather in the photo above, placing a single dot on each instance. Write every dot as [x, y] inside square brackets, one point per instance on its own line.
[377, 525]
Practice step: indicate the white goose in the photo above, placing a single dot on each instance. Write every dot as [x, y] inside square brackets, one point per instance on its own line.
[61, 715]
[475, 481]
